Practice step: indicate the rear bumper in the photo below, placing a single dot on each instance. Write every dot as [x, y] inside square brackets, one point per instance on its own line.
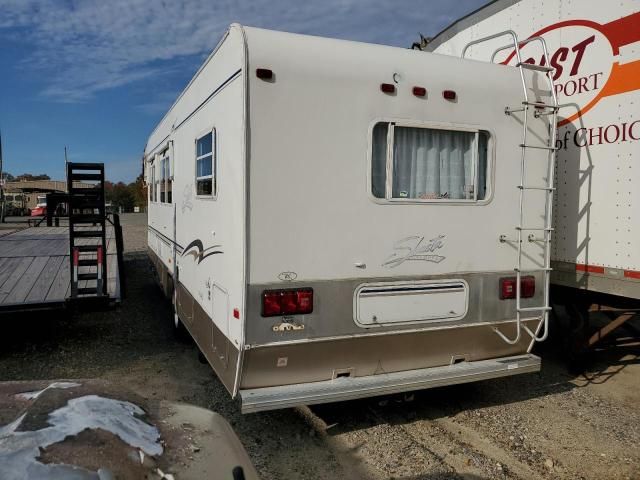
[350, 388]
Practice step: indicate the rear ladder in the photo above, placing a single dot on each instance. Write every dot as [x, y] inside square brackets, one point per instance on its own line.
[539, 109]
[87, 230]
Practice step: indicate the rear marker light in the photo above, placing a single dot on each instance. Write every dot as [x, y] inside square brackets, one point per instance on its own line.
[527, 287]
[236, 313]
[419, 91]
[264, 73]
[287, 302]
[388, 87]
[449, 95]
[508, 287]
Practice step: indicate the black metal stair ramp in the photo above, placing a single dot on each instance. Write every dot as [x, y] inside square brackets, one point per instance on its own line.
[87, 231]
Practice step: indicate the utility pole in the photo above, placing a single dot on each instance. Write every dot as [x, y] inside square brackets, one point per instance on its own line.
[2, 201]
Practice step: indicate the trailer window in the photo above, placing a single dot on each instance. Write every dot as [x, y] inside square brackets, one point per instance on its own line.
[168, 181]
[162, 181]
[165, 182]
[152, 184]
[428, 164]
[205, 165]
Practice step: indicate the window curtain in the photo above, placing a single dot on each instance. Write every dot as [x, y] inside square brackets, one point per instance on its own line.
[432, 164]
[379, 160]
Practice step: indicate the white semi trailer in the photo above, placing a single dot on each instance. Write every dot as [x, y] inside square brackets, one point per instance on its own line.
[336, 220]
[594, 50]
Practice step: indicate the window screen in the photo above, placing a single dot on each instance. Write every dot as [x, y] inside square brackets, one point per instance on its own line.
[429, 164]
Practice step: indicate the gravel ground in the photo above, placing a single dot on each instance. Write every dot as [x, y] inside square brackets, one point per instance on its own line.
[551, 425]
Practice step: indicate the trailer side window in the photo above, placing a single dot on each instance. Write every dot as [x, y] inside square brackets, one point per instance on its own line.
[152, 183]
[162, 181]
[156, 187]
[428, 164]
[205, 165]
[165, 181]
[169, 180]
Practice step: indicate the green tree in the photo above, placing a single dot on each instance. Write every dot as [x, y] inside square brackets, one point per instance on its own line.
[120, 195]
[139, 191]
[29, 176]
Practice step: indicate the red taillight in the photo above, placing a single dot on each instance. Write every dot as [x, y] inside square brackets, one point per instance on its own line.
[287, 302]
[388, 87]
[264, 73]
[271, 304]
[527, 287]
[305, 301]
[419, 91]
[449, 95]
[508, 287]
[76, 257]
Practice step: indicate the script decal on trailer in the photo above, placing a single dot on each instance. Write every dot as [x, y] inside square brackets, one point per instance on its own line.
[582, 79]
[415, 248]
[198, 252]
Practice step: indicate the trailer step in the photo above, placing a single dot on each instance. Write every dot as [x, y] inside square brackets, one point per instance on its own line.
[88, 291]
[88, 166]
[83, 177]
[85, 262]
[350, 388]
[86, 248]
[85, 192]
[87, 233]
[80, 219]
[86, 206]
[87, 276]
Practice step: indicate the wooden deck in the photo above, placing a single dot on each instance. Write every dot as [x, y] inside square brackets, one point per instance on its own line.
[34, 267]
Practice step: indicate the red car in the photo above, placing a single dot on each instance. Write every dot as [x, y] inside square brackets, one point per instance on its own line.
[40, 210]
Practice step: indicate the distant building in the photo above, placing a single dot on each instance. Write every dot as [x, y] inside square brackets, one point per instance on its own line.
[30, 190]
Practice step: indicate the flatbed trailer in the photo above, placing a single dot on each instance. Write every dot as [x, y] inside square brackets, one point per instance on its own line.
[35, 269]
[56, 266]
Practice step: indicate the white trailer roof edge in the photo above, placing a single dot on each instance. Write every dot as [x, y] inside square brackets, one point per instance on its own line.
[193, 79]
[467, 21]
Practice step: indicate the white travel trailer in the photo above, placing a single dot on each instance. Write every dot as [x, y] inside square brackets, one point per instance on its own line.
[595, 52]
[335, 220]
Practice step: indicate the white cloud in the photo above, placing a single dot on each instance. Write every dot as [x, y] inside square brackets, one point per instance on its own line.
[86, 46]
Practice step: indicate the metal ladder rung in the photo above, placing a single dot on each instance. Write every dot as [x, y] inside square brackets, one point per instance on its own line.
[533, 239]
[536, 229]
[541, 147]
[529, 187]
[534, 309]
[541, 105]
[533, 66]
[536, 270]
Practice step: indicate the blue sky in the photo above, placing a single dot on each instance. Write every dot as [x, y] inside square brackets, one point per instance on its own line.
[97, 75]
